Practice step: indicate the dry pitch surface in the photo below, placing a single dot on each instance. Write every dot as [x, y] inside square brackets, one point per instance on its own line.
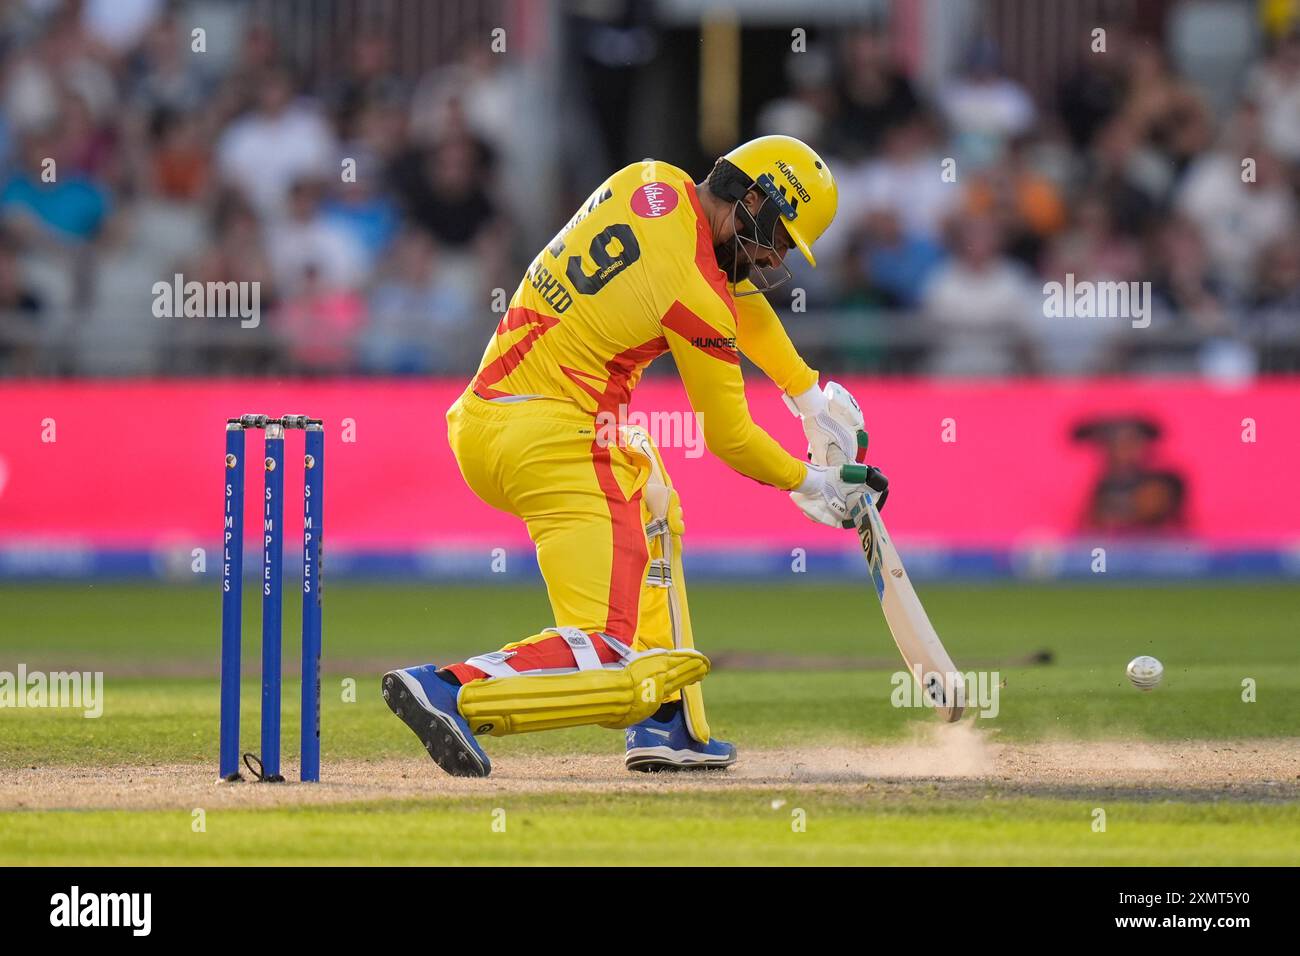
[958, 761]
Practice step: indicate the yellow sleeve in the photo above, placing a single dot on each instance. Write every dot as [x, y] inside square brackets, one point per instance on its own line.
[701, 333]
[762, 339]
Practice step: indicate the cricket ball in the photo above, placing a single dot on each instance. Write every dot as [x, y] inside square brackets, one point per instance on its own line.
[1144, 672]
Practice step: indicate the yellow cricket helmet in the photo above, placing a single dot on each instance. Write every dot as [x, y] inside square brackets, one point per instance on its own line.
[796, 180]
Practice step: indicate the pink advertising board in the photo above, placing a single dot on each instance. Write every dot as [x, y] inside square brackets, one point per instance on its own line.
[139, 464]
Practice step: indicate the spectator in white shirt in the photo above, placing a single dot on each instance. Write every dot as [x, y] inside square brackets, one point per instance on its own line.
[1238, 218]
[264, 152]
[906, 180]
[305, 239]
[978, 304]
[985, 109]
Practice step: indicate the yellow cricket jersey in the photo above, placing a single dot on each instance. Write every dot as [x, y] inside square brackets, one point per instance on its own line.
[631, 276]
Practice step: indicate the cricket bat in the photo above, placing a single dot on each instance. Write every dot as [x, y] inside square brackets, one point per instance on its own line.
[915, 636]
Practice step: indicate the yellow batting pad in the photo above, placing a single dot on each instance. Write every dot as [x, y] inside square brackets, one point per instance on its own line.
[608, 697]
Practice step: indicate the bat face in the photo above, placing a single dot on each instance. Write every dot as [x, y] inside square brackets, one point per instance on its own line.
[917, 641]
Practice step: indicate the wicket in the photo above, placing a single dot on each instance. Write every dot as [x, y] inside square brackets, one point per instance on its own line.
[232, 565]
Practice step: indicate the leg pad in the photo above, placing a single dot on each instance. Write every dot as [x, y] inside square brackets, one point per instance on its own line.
[608, 696]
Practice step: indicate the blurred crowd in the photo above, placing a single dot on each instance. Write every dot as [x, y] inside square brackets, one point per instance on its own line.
[370, 208]
[364, 205]
[1129, 177]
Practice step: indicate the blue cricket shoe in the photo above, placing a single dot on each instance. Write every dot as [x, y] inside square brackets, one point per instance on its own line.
[427, 704]
[654, 745]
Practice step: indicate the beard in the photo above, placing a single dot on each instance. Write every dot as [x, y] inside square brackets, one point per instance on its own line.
[732, 260]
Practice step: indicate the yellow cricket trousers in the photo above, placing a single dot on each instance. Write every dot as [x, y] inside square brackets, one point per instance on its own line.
[545, 461]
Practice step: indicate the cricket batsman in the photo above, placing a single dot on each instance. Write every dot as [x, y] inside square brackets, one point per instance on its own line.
[651, 263]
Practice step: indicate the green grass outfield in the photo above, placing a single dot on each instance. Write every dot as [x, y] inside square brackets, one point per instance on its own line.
[735, 828]
[158, 649]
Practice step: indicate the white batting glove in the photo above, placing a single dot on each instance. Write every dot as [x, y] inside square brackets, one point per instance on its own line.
[828, 494]
[832, 423]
